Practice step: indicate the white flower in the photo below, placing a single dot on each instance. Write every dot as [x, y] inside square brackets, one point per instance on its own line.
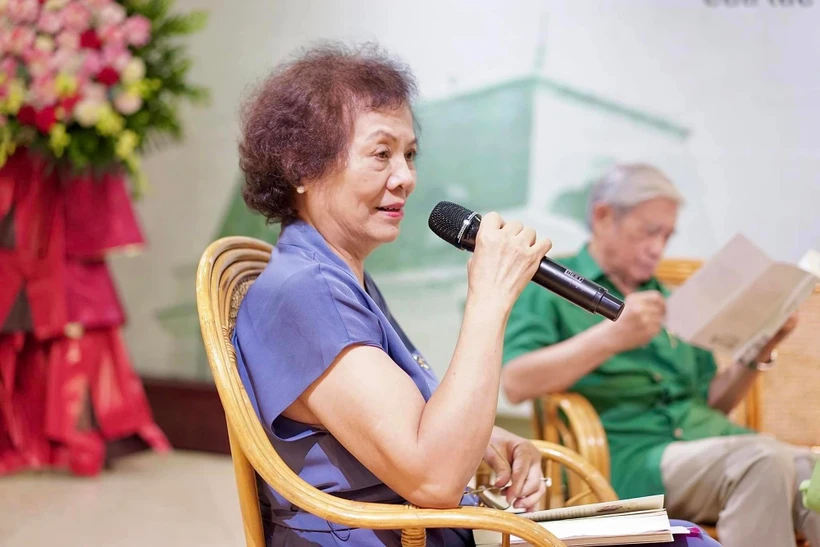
[111, 14]
[44, 43]
[127, 103]
[134, 71]
[87, 112]
[55, 4]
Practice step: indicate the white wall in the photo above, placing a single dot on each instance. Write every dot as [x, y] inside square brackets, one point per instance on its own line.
[744, 79]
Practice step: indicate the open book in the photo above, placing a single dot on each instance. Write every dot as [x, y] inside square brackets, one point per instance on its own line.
[739, 299]
[638, 520]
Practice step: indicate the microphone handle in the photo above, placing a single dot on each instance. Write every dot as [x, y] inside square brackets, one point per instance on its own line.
[577, 289]
[552, 276]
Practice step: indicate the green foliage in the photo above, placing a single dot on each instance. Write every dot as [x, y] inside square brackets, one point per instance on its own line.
[167, 62]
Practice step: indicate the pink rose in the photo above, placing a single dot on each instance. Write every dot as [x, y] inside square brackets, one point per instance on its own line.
[93, 91]
[76, 17]
[111, 14]
[137, 30]
[22, 11]
[68, 40]
[49, 22]
[112, 36]
[92, 63]
[82, 84]
[43, 90]
[118, 58]
[8, 66]
[38, 63]
[66, 60]
[5, 41]
[127, 103]
[21, 39]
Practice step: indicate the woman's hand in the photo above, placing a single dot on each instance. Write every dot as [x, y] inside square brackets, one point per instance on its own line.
[516, 462]
[506, 257]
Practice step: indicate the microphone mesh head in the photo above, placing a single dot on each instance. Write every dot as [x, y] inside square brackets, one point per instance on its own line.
[446, 220]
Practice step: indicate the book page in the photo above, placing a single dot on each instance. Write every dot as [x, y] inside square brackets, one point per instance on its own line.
[811, 262]
[762, 305]
[714, 286]
[804, 286]
[618, 529]
[603, 508]
[737, 301]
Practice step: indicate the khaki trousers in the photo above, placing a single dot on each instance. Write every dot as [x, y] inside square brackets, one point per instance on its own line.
[748, 484]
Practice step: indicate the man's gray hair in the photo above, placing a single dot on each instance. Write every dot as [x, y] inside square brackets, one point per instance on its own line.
[625, 186]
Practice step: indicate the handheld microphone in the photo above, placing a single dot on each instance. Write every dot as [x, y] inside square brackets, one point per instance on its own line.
[459, 226]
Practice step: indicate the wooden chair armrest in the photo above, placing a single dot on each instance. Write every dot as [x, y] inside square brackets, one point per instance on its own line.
[585, 433]
[472, 518]
[376, 516]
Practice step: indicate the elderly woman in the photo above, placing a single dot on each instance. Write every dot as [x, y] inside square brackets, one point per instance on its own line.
[329, 151]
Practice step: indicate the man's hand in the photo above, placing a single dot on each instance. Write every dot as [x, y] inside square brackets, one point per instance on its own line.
[516, 459]
[765, 354]
[640, 321]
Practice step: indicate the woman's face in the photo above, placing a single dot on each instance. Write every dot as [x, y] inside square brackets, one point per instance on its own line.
[361, 206]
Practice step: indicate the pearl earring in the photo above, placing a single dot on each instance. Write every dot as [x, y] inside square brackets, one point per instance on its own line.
[300, 189]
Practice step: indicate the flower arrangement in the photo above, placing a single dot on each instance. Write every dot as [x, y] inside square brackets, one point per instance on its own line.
[90, 84]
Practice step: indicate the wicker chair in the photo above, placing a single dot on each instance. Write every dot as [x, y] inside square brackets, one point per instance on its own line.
[783, 401]
[226, 271]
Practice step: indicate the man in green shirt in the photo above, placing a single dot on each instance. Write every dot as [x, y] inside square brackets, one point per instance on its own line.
[662, 402]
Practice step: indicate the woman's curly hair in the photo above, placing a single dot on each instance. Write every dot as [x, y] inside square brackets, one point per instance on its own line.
[298, 124]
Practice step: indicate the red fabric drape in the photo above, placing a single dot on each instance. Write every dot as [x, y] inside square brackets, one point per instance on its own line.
[67, 349]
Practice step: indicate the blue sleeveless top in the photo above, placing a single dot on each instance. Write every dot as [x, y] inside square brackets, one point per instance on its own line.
[302, 311]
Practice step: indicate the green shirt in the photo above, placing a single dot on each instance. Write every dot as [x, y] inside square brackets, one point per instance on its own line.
[646, 397]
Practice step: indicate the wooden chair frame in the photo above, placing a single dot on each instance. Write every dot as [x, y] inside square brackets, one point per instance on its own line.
[226, 270]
